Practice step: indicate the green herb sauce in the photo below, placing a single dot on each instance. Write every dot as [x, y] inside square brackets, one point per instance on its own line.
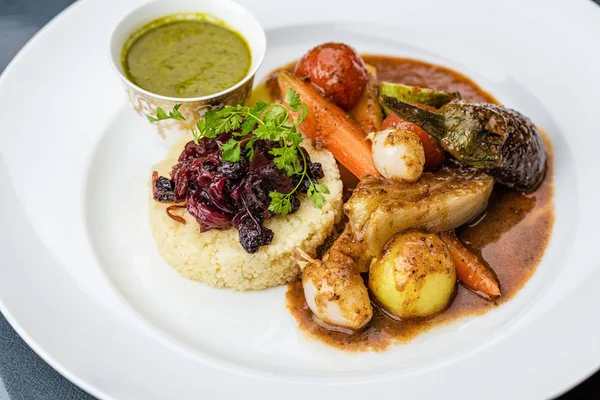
[185, 58]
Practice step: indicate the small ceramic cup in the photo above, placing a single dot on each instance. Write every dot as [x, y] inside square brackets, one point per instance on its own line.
[144, 102]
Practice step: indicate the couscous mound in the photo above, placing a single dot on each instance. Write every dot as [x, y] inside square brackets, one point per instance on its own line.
[216, 257]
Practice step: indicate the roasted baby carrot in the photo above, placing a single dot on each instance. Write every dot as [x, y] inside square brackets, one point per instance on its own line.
[367, 111]
[469, 269]
[328, 125]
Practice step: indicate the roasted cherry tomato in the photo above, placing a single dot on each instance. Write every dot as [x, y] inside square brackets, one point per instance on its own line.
[337, 71]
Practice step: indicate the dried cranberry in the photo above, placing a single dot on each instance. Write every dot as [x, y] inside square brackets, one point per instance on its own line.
[253, 235]
[233, 170]
[165, 190]
[295, 204]
[315, 170]
[302, 186]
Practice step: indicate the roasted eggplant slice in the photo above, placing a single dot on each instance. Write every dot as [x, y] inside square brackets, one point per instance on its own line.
[499, 140]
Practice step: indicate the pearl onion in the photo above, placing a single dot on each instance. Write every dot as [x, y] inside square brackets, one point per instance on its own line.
[336, 294]
[398, 154]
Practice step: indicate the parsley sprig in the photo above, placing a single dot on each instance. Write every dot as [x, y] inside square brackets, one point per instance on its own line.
[263, 121]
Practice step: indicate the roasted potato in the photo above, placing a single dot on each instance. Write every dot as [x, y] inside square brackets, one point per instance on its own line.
[415, 277]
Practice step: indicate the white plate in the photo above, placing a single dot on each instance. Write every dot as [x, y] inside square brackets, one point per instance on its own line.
[82, 282]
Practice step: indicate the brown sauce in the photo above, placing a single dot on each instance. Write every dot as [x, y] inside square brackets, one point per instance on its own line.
[511, 236]
[419, 73]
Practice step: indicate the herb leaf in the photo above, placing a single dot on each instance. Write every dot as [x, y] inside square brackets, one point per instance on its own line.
[175, 114]
[286, 159]
[280, 203]
[293, 99]
[259, 107]
[250, 147]
[161, 115]
[231, 150]
[316, 191]
[248, 126]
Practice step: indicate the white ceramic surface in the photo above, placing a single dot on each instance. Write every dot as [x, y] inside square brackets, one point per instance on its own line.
[82, 282]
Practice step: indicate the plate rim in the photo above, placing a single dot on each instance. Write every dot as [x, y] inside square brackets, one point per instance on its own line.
[47, 357]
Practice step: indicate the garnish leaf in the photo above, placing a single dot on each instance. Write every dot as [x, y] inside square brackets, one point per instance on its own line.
[231, 150]
[293, 99]
[316, 191]
[280, 203]
[275, 113]
[175, 114]
[161, 114]
[250, 147]
[248, 126]
[265, 131]
[295, 138]
[259, 107]
[286, 159]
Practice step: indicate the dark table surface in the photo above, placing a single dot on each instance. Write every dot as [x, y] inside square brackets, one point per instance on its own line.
[24, 375]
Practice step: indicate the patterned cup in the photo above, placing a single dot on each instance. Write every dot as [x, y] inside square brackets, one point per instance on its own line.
[223, 11]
